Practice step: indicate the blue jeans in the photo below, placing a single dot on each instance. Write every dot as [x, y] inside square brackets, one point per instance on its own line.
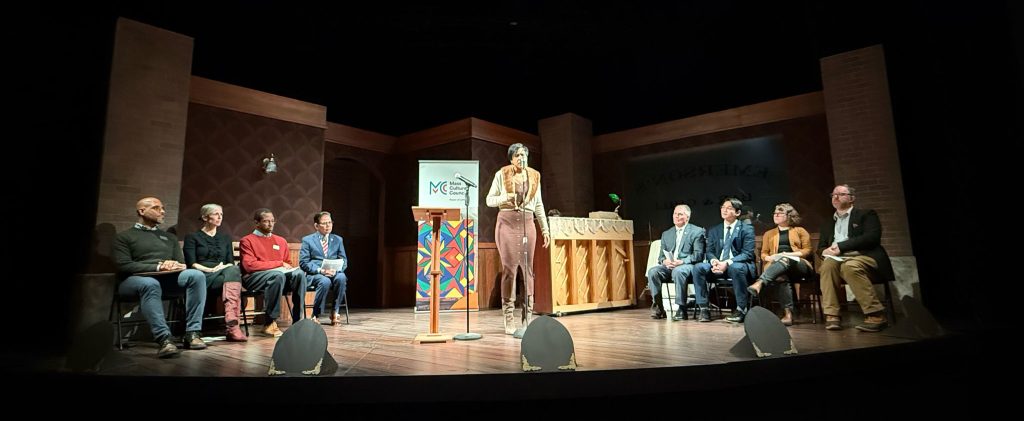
[322, 285]
[737, 272]
[149, 289]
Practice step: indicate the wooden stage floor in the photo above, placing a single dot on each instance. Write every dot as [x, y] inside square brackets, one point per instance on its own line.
[380, 343]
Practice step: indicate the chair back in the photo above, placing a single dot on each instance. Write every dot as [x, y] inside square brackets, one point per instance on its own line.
[652, 256]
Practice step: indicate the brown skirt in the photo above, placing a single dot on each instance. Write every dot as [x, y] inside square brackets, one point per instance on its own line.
[508, 235]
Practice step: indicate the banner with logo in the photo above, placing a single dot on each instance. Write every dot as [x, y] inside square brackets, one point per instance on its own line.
[440, 186]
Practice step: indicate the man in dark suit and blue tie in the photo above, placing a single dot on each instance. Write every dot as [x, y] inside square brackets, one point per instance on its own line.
[730, 254]
[315, 248]
[682, 246]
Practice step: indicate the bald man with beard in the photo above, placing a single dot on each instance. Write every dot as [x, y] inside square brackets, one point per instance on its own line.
[149, 261]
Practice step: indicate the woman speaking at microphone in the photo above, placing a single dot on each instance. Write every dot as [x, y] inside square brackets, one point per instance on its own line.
[515, 191]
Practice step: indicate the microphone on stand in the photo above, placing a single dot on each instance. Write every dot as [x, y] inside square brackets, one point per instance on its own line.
[465, 180]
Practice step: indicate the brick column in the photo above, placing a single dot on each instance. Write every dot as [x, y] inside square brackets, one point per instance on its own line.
[568, 176]
[144, 143]
[864, 151]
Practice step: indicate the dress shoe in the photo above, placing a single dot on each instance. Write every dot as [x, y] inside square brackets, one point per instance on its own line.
[873, 324]
[271, 330]
[193, 340]
[705, 315]
[658, 315]
[324, 320]
[736, 318]
[166, 349]
[680, 314]
[833, 323]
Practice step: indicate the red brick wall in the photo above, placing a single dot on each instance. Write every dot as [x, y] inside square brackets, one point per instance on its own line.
[147, 107]
[863, 139]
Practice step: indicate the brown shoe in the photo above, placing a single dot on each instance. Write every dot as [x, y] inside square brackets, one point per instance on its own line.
[193, 340]
[873, 324]
[833, 323]
[272, 330]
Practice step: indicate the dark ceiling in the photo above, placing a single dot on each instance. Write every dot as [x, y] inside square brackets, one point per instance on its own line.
[396, 69]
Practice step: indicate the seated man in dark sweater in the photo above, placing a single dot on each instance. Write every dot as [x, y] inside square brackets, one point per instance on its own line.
[267, 266]
[149, 260]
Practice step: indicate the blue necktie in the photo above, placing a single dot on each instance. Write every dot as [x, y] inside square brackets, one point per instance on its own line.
[727, 245]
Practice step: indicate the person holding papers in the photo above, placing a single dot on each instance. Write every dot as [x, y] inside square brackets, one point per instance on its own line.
[149, 261]
[267, 267]
[682, 246]
[322, 257]
[784, 252]
[851, 251]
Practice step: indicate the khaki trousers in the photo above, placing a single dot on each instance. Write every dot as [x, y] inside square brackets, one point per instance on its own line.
[857, 271]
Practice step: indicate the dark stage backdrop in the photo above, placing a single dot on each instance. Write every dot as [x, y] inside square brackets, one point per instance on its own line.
[753, 170]
[787, 161]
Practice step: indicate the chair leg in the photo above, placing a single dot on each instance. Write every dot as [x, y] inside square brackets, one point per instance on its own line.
[115, 308]
[245, 319]
[890, 311]
[344, 299]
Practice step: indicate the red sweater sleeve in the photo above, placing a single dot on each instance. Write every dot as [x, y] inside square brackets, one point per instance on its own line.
[258, 254]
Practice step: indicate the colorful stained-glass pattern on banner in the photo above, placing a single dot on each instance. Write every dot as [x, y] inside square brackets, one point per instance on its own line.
[455, 238]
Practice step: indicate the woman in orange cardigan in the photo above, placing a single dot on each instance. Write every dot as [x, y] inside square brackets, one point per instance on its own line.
[784, 251]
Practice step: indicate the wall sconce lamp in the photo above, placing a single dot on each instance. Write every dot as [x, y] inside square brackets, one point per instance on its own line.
[269, 165]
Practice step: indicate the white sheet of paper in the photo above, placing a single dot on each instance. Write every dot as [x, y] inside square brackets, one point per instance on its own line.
[333, 264]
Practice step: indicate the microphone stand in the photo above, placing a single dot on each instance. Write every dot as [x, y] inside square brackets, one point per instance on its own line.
[468, 336]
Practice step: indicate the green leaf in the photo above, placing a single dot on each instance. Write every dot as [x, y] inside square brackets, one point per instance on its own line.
[615, 198]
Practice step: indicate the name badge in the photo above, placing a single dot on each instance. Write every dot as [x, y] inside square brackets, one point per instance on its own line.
[163, 238]
[277, 247]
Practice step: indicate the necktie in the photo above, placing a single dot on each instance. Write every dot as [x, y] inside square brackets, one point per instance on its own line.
[727, 244]
[679, 237]
[323, 241]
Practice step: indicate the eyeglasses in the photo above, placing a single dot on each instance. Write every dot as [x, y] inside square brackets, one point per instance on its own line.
[779, 213]
[840, 194]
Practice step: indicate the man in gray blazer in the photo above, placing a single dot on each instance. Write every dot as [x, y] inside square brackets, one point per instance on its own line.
[681, 247]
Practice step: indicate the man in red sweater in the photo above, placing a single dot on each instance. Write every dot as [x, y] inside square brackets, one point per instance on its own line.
[267, 267]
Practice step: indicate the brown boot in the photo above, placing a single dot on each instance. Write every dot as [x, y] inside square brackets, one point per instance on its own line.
[232, 293]
[527, 311]
[507, 308]
[787, 320]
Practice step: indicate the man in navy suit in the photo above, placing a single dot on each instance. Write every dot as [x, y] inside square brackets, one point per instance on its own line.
[730, 254]
[315, 248]
[851, 250]
[681, 247]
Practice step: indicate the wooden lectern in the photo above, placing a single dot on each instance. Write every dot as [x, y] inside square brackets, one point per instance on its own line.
[434, 216]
